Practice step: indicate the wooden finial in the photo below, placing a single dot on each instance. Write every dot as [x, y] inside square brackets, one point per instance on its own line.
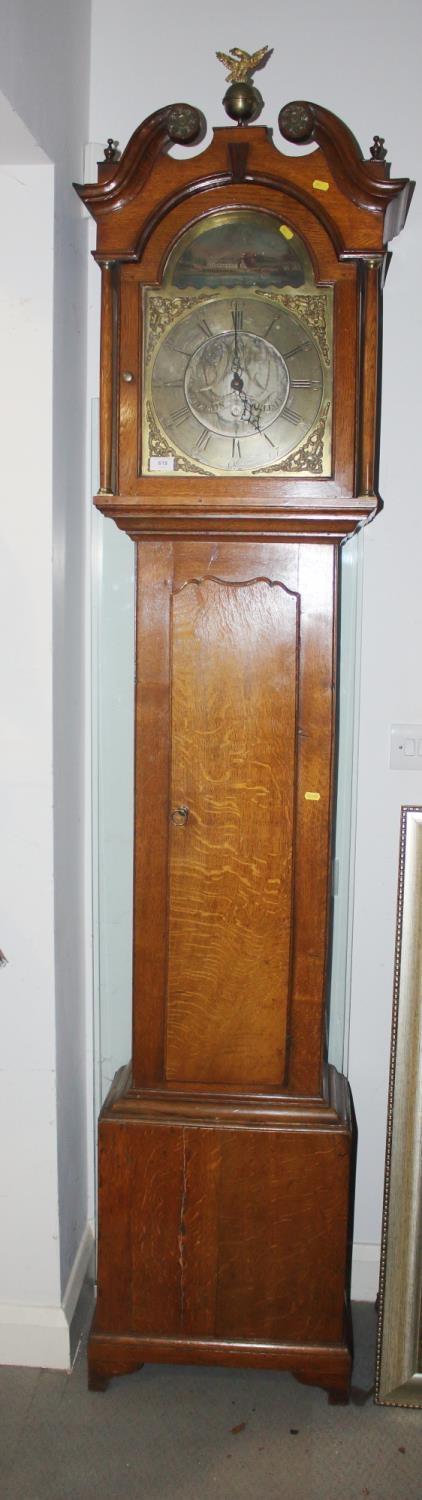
[111, 152]
[378, 149]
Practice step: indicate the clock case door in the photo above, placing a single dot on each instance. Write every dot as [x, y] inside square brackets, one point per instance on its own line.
[225, 1147]
[234, 756]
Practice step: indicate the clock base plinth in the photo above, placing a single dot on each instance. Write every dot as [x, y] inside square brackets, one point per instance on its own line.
[224, 1242]
[328, 1366]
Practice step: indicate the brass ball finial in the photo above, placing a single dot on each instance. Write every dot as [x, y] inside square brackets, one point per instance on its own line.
[242, 101]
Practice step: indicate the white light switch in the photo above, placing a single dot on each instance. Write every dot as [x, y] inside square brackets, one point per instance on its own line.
[406, 747]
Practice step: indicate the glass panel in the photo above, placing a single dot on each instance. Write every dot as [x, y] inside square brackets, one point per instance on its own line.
[113, 668]
[351, 573]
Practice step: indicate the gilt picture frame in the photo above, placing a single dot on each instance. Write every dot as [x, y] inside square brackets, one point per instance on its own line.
[399, 1343]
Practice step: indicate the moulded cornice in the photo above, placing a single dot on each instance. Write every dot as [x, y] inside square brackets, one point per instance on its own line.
[120, 181]
[366, 183]
[249, 156]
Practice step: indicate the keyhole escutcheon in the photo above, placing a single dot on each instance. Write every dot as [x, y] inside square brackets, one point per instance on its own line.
[180, 815]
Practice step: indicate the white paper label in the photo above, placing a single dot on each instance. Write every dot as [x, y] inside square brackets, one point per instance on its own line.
[162, 465]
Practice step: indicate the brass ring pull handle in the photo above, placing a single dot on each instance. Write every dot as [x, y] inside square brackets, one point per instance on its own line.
[180, 815]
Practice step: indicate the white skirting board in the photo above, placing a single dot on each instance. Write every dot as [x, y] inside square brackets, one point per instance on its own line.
[40, 1336]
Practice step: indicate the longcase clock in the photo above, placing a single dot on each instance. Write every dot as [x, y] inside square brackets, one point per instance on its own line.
[239, 399]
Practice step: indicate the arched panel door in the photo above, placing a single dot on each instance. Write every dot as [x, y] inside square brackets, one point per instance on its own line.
[232, 811]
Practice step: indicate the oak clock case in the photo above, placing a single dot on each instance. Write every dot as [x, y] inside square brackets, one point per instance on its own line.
[238, 447]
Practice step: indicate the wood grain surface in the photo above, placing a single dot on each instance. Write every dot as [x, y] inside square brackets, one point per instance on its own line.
[233, 733]
[229, 1233]
[224, 1243]
[224, 1167]
[139, 190]
[234, 725]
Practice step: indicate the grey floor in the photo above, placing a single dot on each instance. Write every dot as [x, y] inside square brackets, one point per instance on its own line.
[169, 1432]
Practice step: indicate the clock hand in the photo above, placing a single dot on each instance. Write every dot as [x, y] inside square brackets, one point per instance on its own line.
[254, 410]
[236, 383]
[237, 319]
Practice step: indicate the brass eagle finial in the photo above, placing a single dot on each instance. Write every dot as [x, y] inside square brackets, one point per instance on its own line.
[242, 65]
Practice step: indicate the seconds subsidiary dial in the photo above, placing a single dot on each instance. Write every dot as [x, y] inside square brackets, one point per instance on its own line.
[235, 384]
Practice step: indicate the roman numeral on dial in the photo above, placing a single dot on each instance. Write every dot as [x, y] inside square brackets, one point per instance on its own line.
[291, 416]
[177, 350]
[275, 320]
[205, 328]
[237, 318]
[305, 385]
[305, 344]
[181, 415]
[202, 441]
[163, 385]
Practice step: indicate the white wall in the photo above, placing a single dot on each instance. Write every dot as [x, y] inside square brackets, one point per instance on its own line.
[27, 1096]
[363, 63]
[44, 70]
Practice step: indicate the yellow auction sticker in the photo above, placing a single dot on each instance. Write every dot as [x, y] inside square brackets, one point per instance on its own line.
[321, 187]
[312, 796]
[288, 233]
